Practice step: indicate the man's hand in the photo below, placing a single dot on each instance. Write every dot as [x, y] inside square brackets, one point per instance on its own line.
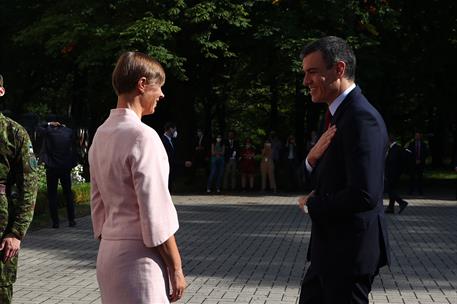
[303, 200]
[321, 146]
[10, 247]
[54, 123]
[178, 284]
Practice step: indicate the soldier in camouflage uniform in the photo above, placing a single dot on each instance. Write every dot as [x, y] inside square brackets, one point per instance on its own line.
[18, 176]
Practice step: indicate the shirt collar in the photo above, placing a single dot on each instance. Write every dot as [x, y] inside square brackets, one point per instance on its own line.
[124, 112]
[337, 102]
[165, 134]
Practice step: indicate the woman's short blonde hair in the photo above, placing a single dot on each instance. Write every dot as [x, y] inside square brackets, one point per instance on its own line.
[131, 66]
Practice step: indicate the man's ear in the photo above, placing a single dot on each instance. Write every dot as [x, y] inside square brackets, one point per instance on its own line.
[340, 68]
[2, 91]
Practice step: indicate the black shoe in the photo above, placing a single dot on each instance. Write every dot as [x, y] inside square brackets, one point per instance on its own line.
[72, 224]
[402, 207]
[55, 225]
[389, 210]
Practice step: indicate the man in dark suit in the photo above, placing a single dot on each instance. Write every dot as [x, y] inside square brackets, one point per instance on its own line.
[168, 140]
[394, 164]
[58, 152]
[419, 152]
[349, 237]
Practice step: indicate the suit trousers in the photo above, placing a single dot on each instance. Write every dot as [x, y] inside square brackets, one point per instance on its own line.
[230, 174]
[53, 175]
[335, 289]
[392, 190]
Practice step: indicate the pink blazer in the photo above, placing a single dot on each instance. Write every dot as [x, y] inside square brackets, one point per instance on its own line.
[129, 182]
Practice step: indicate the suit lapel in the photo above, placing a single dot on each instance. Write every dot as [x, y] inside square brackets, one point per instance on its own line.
[338, 114]
[344, 105]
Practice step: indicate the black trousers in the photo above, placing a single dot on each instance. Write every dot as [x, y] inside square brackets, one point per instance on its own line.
[416, 178]
[392, 190]
[53, 175]
[335, 289]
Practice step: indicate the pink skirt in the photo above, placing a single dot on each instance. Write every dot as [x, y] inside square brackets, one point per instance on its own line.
[129, 272]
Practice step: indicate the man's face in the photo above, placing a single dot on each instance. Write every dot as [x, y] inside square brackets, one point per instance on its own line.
[322, 82]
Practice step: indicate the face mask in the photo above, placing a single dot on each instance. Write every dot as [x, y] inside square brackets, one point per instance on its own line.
[218, 139]
[175, 134]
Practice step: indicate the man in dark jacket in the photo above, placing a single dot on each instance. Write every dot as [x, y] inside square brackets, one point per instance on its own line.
[394, 163]
[168, 139]
[419, 152]
[58, 152]
[349, 235]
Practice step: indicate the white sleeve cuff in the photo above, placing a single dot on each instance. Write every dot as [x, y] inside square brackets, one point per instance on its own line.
[308, 166]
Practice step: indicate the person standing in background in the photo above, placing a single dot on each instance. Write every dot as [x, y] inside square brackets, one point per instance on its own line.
[58, 152]
[217, 164]
[267, 167]
[231, 161]
[168, 139]
[394, 165]
[419, 152]
[247, 164]
[292, 162]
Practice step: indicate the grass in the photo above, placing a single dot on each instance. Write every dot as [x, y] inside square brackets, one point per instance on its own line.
[81, 196]
[440, 174]
[43, 219]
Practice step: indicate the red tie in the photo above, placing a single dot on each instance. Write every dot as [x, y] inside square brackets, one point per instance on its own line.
[328, 119]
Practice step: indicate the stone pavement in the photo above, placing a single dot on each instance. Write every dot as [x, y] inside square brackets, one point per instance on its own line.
[250, 250]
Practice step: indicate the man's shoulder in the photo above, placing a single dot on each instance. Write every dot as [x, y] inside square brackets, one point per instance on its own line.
[12, 128]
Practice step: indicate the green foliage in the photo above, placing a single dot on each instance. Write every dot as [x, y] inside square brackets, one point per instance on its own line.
[231, 64]
[81, 195]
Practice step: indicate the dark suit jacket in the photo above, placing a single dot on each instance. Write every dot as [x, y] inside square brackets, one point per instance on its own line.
[170, 151]
[230, 149]
[349, 234]
[58, 149]
[423, 151]
[395, 162]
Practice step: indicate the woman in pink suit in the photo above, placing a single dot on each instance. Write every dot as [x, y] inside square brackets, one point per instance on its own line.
[133, 215]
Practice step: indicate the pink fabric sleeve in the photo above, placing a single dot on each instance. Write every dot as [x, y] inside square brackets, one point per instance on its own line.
[97, 208]
[149, 165]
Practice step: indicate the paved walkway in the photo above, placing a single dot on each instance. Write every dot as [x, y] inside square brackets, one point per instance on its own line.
[250, 250]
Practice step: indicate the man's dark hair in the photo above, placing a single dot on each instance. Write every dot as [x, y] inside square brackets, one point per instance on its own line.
[169, 125]
[333, 49]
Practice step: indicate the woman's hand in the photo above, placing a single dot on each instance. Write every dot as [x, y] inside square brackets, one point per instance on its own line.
[170, 254]
[178, 284]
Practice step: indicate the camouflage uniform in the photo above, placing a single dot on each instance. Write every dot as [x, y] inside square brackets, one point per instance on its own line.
[18, 176]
